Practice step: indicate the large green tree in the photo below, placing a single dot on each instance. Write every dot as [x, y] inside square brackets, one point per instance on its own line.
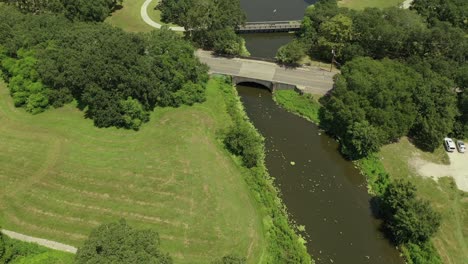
[120, 243]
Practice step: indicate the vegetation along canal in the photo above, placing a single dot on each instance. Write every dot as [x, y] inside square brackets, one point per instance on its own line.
[321, 190]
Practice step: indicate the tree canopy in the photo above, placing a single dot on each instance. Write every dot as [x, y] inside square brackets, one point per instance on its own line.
[116, 77]
[120, 243]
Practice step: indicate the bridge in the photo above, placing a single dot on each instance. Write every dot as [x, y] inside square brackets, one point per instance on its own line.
[274, 77]
[270, 26]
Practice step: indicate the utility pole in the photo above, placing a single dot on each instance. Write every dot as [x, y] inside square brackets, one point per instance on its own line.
[332, 60]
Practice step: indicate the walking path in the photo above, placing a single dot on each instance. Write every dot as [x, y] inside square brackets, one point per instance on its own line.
[40, 241]
[149, 21]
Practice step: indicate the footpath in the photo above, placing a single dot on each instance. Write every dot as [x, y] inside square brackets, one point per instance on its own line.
[40, 241]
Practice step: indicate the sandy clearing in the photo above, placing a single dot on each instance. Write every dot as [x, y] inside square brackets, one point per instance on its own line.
[458, 169]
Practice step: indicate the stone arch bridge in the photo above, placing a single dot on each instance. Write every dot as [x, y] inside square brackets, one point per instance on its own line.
[312, 80]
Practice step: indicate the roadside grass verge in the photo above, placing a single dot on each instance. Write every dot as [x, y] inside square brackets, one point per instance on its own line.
[19, 252]
[451, 241]
[61, 177]
[361, 4]
[305, 105]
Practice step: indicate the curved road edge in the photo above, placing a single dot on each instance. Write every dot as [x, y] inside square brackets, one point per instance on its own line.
[43, 242]
[149, 21]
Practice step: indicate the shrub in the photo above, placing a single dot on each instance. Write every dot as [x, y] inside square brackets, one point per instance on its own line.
[291, 53]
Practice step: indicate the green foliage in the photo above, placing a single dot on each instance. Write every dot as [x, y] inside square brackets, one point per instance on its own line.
[209, 23]
[133, 113]
[453, 11]
[25, 86]
[408, 218]
[376, 176]
[231, 259]
[304, 105]
[424, 253]
[99, 66]
[284, 245]
[291, 53]
[120, 243]
[244, 141]
[18, 252]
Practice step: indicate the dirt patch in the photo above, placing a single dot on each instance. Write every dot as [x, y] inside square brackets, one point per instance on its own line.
[458, 169]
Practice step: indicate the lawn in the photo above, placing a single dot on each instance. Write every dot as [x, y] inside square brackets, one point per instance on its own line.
[306, 105]
[361, 4]
[62, 177]
[452, 239]
[129, 19]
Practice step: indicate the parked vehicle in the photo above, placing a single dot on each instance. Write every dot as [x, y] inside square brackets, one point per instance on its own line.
[449, 145]
[461, 146]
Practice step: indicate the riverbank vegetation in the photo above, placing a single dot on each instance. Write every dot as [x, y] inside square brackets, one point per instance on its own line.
[399, 77]
[361, 4]
[62, 177]
[17, 252]
[244, 141]
[305, 105]
[116, 82]
[210, 24]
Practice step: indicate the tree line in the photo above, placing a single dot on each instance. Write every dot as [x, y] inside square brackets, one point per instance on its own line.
[404, 73]
[211, 24]
[83, 10]
[116, 77]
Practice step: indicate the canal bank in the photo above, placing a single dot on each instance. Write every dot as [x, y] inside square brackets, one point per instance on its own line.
[321, 190]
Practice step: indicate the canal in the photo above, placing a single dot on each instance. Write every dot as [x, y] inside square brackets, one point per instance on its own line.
[321, 190]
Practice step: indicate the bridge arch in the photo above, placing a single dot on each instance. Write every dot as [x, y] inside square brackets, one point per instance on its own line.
[267, 84]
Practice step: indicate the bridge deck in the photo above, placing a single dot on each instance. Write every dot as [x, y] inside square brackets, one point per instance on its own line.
[309, 80]
[270, 26]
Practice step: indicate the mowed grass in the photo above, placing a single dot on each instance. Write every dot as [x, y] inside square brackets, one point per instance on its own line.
[61, 177]
[129, 18]
[361, 4]
[452, 239]
[306, 105]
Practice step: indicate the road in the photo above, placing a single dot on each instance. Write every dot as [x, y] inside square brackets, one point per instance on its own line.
[309, 79]
[40, 241]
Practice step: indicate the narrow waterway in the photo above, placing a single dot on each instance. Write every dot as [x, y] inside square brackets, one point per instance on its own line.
[321, 190]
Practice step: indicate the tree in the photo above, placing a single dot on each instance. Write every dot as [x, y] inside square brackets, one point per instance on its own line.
[230, 259]
[120, 243]
[226, 41]
[243, 140]
[453, 11]
[334, 34]
[2, 245]
[89, 10]
[133, 114]
[407, 218]
[291, 53]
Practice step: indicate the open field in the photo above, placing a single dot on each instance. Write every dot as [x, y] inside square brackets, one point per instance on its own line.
[61, 177]
[452, 239]
[361, 4]
[128, 18]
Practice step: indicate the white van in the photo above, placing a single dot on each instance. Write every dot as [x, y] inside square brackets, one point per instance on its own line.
[449, 145]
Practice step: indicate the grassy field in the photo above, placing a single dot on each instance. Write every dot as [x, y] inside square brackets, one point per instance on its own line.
[452, 239]
[61, 177]
[361, 4]
[129, 19]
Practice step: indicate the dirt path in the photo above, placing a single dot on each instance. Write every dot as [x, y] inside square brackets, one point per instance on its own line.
[40, 241]
[149, 21]
[458, 169]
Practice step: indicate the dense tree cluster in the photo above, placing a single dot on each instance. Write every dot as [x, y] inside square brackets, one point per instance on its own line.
[85, 10]
[422, 93]
[453, 11]
[377, 102]
[209, 23]
[120, 243]
[230, 259]
[116, 77]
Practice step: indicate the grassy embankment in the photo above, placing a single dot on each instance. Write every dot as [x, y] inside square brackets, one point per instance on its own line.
[361, 4]
[31, 253]
[62, 177]
[452, 239]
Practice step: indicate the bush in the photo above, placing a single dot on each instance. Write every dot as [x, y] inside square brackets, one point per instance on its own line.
[424, 253]
[120, 243]
[231, 259]
[291, 53]
[245, 142]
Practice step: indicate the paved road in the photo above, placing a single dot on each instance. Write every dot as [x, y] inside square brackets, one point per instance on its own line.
[309, 79]
[40, 241]
[149, 21]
